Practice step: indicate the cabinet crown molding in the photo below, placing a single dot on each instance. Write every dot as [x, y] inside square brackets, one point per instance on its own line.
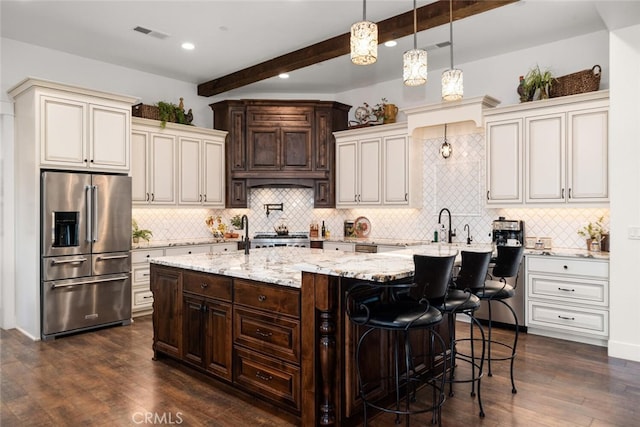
[30, 82]
[471, 109]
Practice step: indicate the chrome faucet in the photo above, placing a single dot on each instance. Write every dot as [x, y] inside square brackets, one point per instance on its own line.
[247, 243]
[469, 238]
[450, 233]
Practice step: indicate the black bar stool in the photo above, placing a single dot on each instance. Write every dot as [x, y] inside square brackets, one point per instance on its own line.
[405, 308]
[507, 265]
[460, 299]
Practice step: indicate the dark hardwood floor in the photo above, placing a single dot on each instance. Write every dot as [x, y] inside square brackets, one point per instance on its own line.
[107, 378]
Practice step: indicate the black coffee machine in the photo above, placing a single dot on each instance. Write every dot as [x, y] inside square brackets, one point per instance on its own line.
[508, 232]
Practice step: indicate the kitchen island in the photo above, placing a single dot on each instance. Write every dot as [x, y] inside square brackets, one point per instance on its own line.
[273, 323]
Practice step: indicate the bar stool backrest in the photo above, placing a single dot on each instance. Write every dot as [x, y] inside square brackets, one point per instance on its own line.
[508, 261]
[473, 270]
[432, 277]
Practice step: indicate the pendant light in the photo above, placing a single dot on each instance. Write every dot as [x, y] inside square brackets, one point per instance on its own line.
[445, 148]
[452, 87]
[364, 40]
[414, 65]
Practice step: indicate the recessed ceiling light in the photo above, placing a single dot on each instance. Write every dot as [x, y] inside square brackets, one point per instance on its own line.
[188, 46]
[391, 43]
[283, 75]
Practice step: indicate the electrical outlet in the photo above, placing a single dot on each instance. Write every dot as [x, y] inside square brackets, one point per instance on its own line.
[634, 232]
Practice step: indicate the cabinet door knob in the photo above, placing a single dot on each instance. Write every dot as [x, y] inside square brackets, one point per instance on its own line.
[566, 267]
[203, 285]
[262, 298]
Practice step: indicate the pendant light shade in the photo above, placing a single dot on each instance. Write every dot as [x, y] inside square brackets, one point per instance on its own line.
[414, 65]
[364, 40]
[452, 85]
[452, 79]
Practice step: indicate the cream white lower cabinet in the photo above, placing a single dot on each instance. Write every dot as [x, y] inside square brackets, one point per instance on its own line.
[339, 246]
[568, 298]
[142, 298]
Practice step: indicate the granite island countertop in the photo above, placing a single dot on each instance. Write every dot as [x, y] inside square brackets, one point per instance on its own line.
[283, 265]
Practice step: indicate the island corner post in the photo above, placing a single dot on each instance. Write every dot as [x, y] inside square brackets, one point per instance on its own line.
[321, 370]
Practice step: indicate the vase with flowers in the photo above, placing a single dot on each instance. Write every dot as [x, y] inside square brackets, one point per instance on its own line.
[596, 235]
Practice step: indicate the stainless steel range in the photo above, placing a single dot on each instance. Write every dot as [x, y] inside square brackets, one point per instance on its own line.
[271, 240]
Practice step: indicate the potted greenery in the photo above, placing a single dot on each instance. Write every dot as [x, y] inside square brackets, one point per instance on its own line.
[170, 112]
[138, 233]
[236, 221]
[538, 82]
[595, 232]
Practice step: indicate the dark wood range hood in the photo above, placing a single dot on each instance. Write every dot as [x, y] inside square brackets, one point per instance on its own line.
[280, 143]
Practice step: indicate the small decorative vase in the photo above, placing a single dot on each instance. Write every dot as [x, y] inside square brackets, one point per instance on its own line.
[544, 92]
[390, 113]
[136, 240]
[594, 246]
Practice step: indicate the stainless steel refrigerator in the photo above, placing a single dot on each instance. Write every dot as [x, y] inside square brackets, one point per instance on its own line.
[85, 248]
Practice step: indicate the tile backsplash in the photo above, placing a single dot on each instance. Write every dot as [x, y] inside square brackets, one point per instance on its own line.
[457, 183]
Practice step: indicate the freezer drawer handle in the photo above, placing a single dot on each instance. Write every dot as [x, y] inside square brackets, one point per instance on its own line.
[86, 282]
[566, 318]
[101, 258]
[68, 261]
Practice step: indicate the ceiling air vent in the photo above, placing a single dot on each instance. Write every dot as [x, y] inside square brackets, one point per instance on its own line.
[153, 33]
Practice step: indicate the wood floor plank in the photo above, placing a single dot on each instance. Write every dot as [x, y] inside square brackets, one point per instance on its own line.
[108, 378]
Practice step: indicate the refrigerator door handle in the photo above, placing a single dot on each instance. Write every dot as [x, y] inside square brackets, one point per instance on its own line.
[94, 222]
[88, 282]
[68, 261]
[87, 193]
[108, 257]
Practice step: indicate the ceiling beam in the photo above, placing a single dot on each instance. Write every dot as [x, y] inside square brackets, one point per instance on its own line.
[429, 16]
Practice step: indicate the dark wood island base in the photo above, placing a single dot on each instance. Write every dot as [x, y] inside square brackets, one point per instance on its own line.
[291, 347]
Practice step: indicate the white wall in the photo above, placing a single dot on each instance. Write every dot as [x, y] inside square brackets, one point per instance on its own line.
[624, 175]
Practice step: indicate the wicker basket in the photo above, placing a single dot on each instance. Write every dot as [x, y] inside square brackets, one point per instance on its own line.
[580, 82]
[146, 111]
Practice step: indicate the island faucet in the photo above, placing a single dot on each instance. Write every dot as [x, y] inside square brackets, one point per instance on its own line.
[450, 233]
[469, 238]
[245, 220]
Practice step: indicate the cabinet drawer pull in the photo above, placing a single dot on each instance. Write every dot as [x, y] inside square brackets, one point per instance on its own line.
[263, 377]
[566, 290]
[146, 274]
[204, 285]
[262, 298]
[566, 318]
[147, 297]
[263, 334]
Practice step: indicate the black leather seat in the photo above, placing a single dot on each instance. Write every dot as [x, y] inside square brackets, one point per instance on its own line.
[400, 309]
[506, 266]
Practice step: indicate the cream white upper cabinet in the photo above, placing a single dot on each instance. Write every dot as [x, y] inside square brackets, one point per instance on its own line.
[378, 166]
[153, 172]
[213, 172]
[201, 171]
[504, 161]
[587, 171]
[545, 154]
[358, 172]
[178, 165]
[554, 151]
[81, 132]
[396, 170]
